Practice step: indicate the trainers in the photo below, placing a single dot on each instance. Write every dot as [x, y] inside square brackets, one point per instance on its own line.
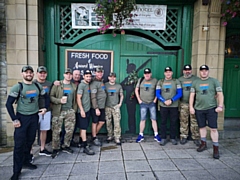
[31, 158]
[109, 139]
[174, 141]
[118, 142]
[157, 138]
[55, 153]
[183, 141]
[45, 153]
[96, 142]
[88, 151]
[29, 166]
[67, 150]
[163, 142]
[139, 138]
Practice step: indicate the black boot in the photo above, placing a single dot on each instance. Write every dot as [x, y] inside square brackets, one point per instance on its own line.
[202, 147]
[215, 152]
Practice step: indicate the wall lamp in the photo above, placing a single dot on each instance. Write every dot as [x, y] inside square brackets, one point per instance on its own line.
[205, 28]
[205, 2]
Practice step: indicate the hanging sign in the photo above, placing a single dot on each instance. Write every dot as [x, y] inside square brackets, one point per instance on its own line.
[148, 17]
[90, 59]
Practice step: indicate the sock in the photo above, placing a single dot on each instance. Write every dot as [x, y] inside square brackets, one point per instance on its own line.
[155, 133]
[80, 140]
[215, 143]
[203, 139]
[84, 143]
[141, 134]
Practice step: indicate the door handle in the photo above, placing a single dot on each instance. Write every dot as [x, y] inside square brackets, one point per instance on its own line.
[236, 66]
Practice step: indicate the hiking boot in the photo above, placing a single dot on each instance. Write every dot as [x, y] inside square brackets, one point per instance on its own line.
[163, 142]
[29, 166]
[109, 139]
[197, 142]
[88, 151]
[215, 152]
[15, 176]
[183, 141]
[45, 153]
[174, 141]
[202, 147]
[96, 142]
[67, 150]
[157, 138]
[55, 153]
[118, 142]
[139, 138]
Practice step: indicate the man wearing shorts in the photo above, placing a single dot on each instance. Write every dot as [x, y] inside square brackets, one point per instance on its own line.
[83, 115]
[98, 100]
[206, 107]
[44, 120]
[145, 93]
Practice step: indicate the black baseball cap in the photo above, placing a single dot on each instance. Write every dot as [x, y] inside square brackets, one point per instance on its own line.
[68, 70]
[202, 67]
[147, 71]
[187, 67]
[168, 68]
[87, 71]
[112, 74]
[99, 69]
[41, 69]
[27, 67]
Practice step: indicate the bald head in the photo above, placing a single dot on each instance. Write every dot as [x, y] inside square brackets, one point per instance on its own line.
[76, 75]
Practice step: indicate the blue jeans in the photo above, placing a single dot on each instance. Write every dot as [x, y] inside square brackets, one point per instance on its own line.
[144, 107]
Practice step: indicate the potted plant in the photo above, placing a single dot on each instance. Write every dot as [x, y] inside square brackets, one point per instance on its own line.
[114, 13]
[230, 10]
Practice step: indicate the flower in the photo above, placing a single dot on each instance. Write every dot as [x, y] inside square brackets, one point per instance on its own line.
[230, 9]
[114, 13]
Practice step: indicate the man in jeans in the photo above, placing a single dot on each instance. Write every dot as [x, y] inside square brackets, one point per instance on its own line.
[145, 93]
[64, 106]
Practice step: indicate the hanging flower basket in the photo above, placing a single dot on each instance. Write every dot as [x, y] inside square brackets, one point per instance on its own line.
[230, 10]
[114, 13]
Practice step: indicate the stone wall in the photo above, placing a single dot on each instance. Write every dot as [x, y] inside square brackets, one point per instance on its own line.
[3, 74]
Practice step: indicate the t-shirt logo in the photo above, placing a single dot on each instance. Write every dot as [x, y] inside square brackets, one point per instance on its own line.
[187, 85]
[31, 95]
[103, 87]
[167, 86]
[147, 85]
[46, 89]
[111, 91]
[204, 88]
[66, 91]
[89, 91]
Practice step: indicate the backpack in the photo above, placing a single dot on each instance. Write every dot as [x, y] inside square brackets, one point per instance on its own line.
[21, 88]
[141, 80]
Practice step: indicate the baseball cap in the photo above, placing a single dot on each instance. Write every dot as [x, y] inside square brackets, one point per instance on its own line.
[187, 67]
[147, 70]
[87, 71]
[168, 68]
[27, 67]
[99, 69]
[41, 69]
[202, 67]
[68, 70]
[112, 74]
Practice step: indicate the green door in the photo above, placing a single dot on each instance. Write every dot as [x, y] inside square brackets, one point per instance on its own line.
[231, 86]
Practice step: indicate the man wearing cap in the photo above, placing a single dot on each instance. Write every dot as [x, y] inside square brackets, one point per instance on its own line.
[145, 93]
[98, 100]
[44, 120]
[64, 106]
[186, 81]
[206, 107]
[83, 115]
[25, 120]
[113, 104]
[168, 92]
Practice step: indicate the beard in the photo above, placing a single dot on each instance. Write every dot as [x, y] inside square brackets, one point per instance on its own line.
[187, 75]
[28, 78]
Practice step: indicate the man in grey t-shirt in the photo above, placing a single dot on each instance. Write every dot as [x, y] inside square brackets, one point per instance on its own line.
[145, 93]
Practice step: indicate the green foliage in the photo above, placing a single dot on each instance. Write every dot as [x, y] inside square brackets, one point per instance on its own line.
[122, 10]
[230, 9]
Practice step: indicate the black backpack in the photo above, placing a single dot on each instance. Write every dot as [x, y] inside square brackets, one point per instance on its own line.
[21, 88]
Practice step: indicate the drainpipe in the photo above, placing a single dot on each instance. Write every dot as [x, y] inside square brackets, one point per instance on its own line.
[27, 32]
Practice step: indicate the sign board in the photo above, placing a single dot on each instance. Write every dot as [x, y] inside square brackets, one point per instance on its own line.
[90, 59]
[148, 17]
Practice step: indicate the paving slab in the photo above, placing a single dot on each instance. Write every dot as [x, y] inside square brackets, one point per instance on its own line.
[201, 174]
[140, 175]
[156, 154]
[169, 175]
[133, 155]
[187, 164]
[111, 155]
[111, 167]
[162, 164]
[136, 166]
[85, 168]
[224, 174]
[115, 176]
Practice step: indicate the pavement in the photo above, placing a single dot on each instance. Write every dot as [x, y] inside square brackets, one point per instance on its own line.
[134, 161]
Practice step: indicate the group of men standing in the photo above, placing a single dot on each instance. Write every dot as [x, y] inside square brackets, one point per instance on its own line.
[189, 97]
[73, 102]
